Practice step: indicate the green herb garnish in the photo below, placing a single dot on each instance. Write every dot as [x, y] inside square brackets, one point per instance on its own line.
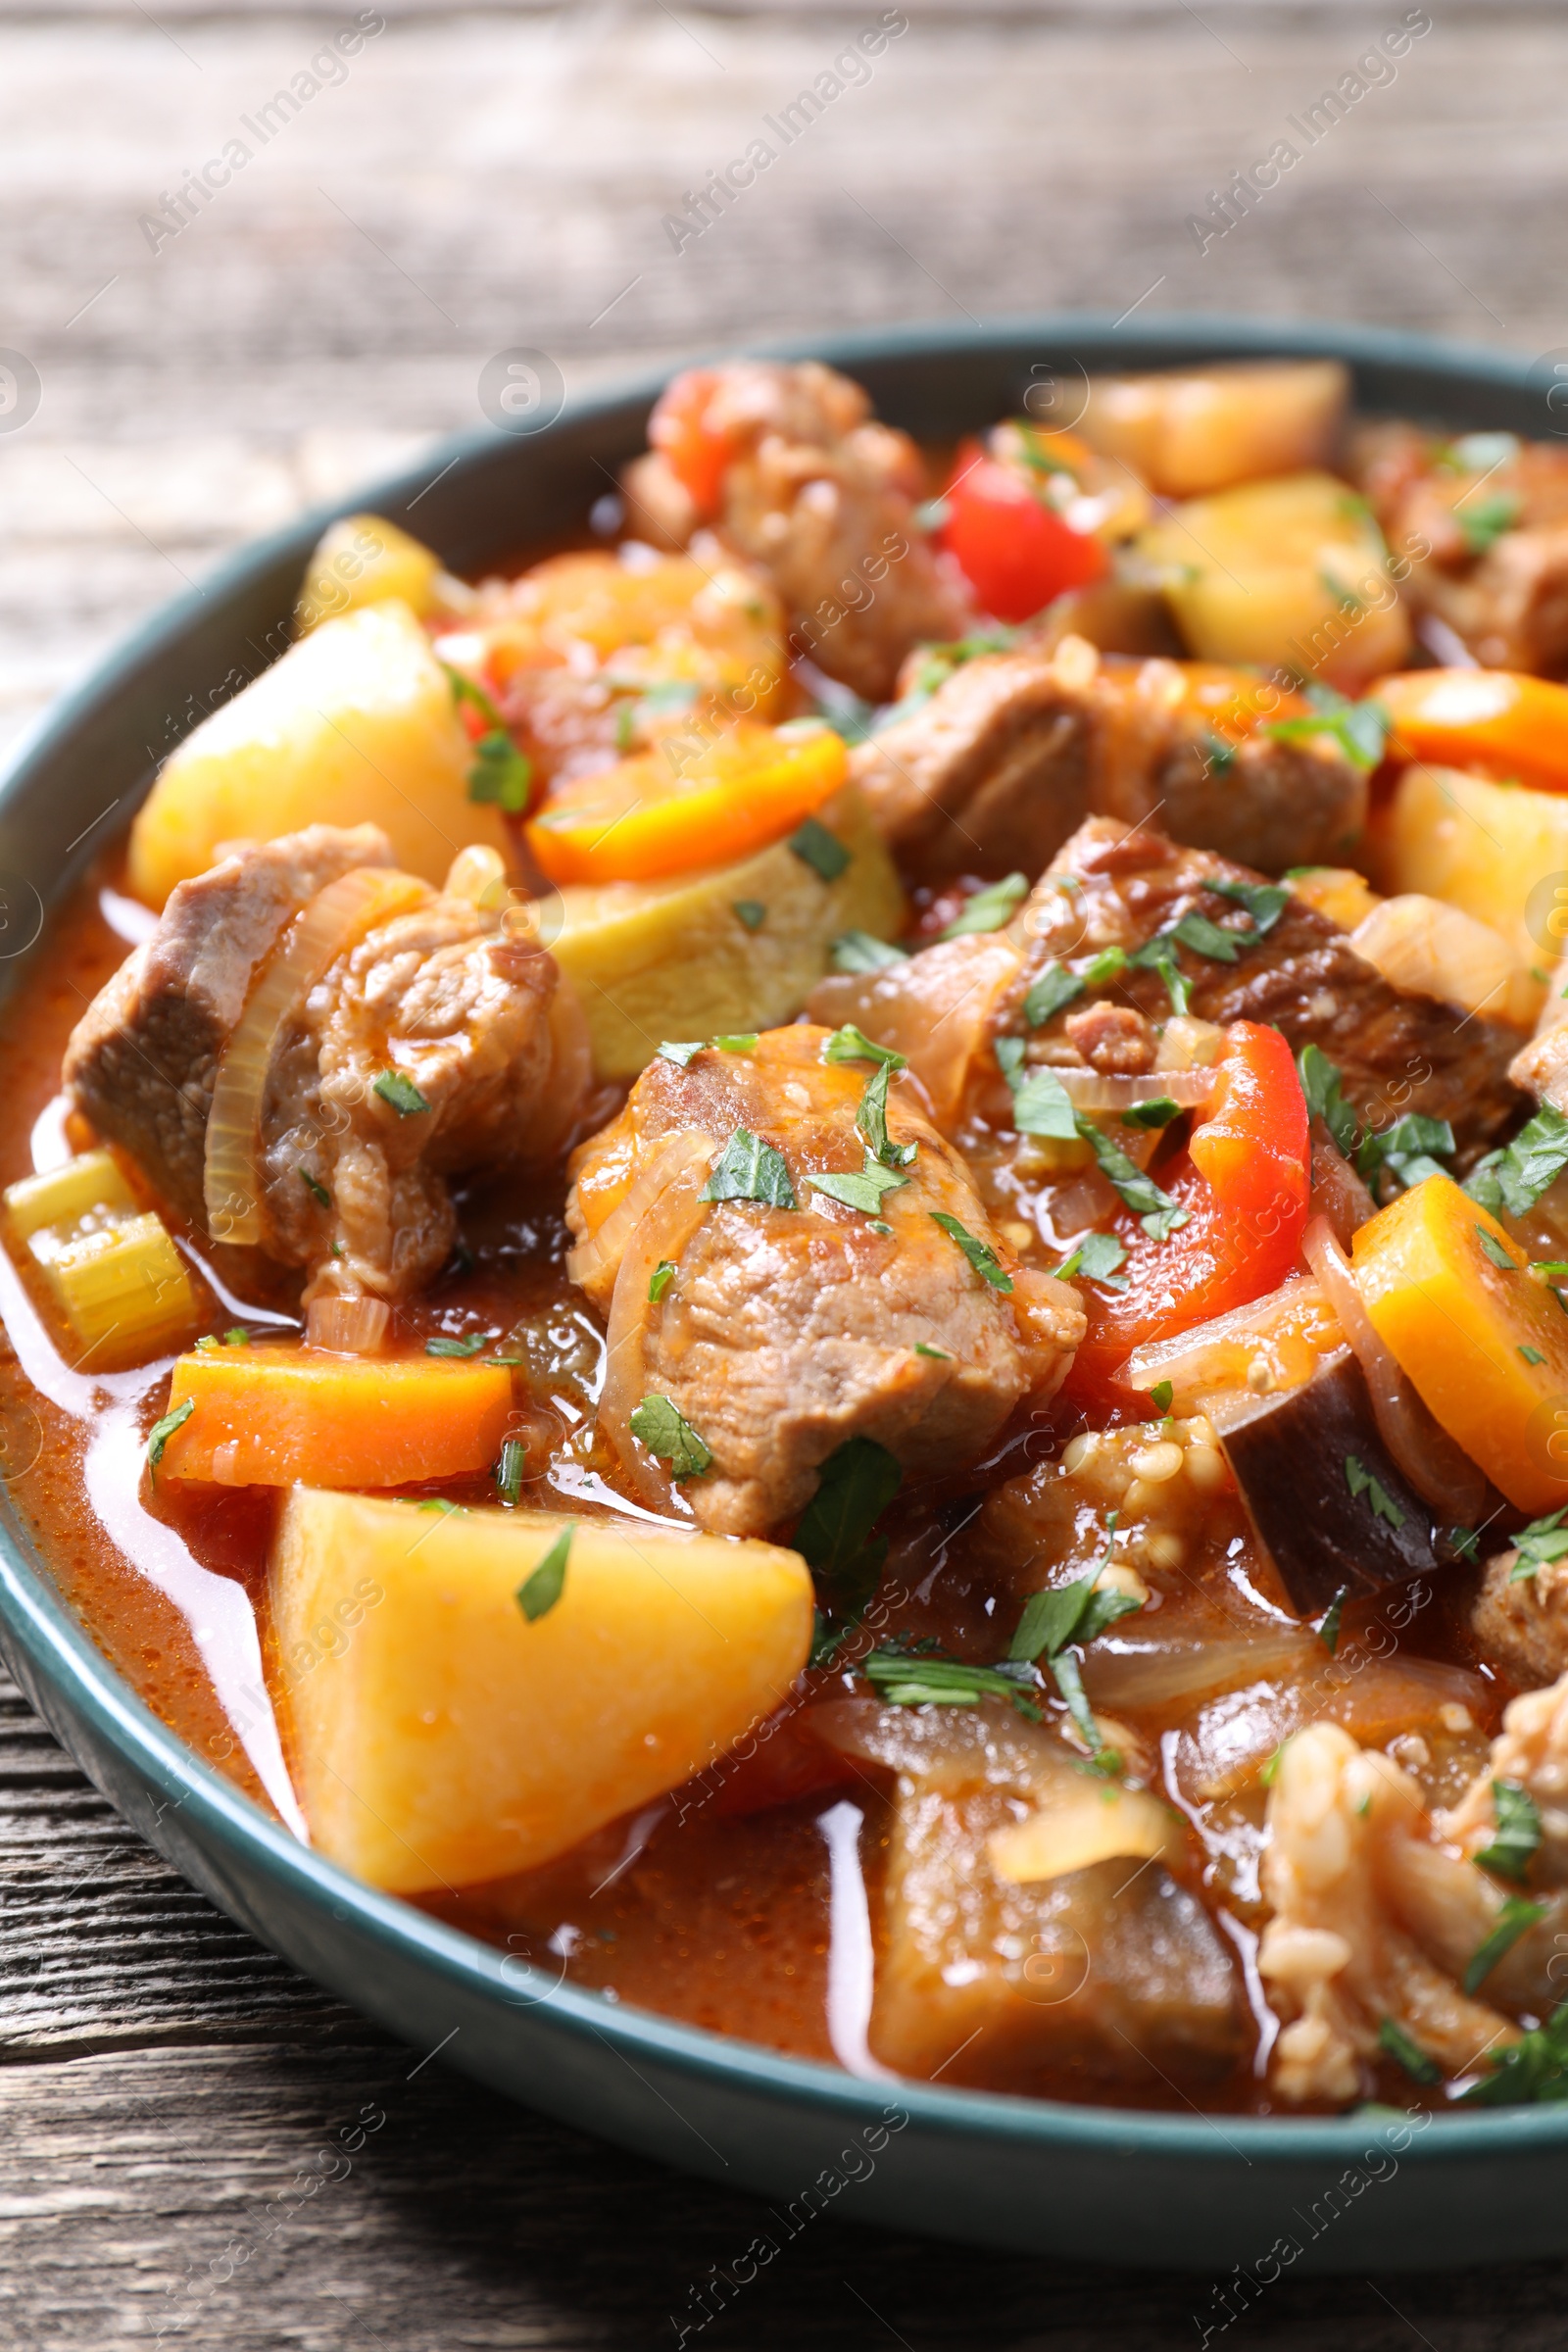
[502, 777]
[669, 1436]
[1205, 938]
[682, 1053]
[1515, 1178]
[1157, 1213]
[1409, 2054]
[1516, 1918]
[985, 1261]
[1518, 1832]
[1160, 1394]
[1058, 987]
[858, 951]
[401, 1093]
[161, 1433]
[990, 908]
[871, 1123]
[1328, 1632]
[750, 1169]
[942, 1355]
[1158, 1112]
[1096, 1259]
[932, 1678]
[835, 1538]
[660, 1280]
[1360, 729]
[1492, 1248]
[469, 1346]
[738, 1041]
[1041, 1103]
[863, 1190]
[507, 1472]
[820, 850]
[851, 1043]
[1361, 1481]
[1483, 525]
[539, 1592]
[748, 912]
[314, 1186]
[1539, 1545]
[1265, 902]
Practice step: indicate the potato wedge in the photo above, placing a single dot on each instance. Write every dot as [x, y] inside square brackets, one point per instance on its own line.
[364, 559]
[675, 959]
[1291, 575]
[1499, 851]
[1193, 431]
[441, 1736]
[354, 725]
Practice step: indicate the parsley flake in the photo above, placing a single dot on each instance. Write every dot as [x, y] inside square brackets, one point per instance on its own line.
[539, 1592]
[502, 777]
[314, 1186]
[985, 1261]
[1532, 1355]
[924, 1347]
[748, 912]
[1484, 524]
[864, 1190]
[507, 1472]
[1096, 1259]
[660, 1280]
[989, 909]
[1494, 1249]
[1515, 1178]
[466, 1347]
[1518, 1832]
[1265, 902]
[871, 1123]
[1361, 1481]
[1205, 938]
[161, 1433]
[1531, 2071]
[932, 1678]
[1516, 1918]
[851, 1043]
[1539, 1545]
[401, 1093]
[669, 1436]
[854, 1487]
[1041, 1103]
[1160, 1394]
[1393, 2037]
[858, 951]
[1328, 1632]
[820, 850]
[1056, 987]
[1159, 1214]
[750, 1169]
[739, 1041]
[682, 1053]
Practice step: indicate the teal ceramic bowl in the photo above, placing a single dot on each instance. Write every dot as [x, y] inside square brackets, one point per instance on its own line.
[1180, 2189]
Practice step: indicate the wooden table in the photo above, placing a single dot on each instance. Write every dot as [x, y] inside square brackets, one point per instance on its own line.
[480, 178]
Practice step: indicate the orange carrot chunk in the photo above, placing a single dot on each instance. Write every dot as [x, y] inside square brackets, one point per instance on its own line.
[268, 1416]
[1494, 722]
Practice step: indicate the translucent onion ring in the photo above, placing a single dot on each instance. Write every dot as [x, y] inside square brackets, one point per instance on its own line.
[1438, 1469]
[1096, 1090]
[336, 919]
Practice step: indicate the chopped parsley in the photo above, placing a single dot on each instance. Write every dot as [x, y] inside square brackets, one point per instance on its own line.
[1492, 1248]
[990, 908]
[1159, 1214]
[738, 1041]
[1515, 1178]
[161, 1433]
[858, 951]
[748, 912]
[1516, 1918]
[1160, 1394]
[539, 1592]
[468, 1347]
[1393, 2037]
[314, 1186]
[401, 1093]
[1483, 525]
[1532, 1355]
[671, 1437]
[1539, 1545]
[1056, 987]
[507, 1472]
[1156, 1113]
[871, 1123]
[942, 1356]
[1328, 1632]
[835, 1537]
[1466, 1543]
[1205, 938]
[851, 1043]
[660, 1280]
[1361, 1481]
[682, 1053]
[1158, 954]
[985, 1261]
[1077, 1613]
[1531, 2071]
[864, 1190]
[1518, 1832]
[750, 1169]
[1323, 1087]
[929, 1678]
[1360, 729]
[820, 850]
[464, 690]
[1265, 902]
[1096, 1259]
[502, 777]
[1041, 1103]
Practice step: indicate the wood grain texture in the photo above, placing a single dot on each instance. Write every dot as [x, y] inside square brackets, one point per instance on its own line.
[487, 175]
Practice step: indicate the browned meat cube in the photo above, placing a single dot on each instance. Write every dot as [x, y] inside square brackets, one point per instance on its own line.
[431, 1043]
[779, 1321]
[1110, 887]
[992, 773]
[1483, 520]
[824, 499]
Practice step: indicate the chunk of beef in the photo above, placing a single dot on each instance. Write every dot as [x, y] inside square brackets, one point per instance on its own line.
[824, 499]
[1014, 750]
[351, 1188]
[785, 1329]
[1484, 523]
[1522, 1625]
[1111, 888]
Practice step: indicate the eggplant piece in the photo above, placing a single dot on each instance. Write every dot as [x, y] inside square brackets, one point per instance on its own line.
[1327, 1503]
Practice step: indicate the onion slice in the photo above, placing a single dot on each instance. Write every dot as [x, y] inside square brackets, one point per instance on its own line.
[336, 919]
[1118, 1091]
[348, 1326]
[1438, 1469]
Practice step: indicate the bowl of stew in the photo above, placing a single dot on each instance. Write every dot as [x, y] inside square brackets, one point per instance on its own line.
[785, 1258]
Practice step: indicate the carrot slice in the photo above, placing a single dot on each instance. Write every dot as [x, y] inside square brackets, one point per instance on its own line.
[267, 1417]
[1496, 722]
[655, 816]
[1484, 1342]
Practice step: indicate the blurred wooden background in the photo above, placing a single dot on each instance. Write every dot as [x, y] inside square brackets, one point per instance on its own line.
[492, 175]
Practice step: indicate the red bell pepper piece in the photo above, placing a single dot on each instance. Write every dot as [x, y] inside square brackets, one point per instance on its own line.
[1013, 548]
[1243, 1181]
[694, 451]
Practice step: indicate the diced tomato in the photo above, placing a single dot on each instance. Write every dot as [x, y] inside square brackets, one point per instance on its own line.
[678, 429]
[1015, 551]
[1243, 1182]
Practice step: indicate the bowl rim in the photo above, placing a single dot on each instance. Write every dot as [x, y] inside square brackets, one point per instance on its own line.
[40, 1626]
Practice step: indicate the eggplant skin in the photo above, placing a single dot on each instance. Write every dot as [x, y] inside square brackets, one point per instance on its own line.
[1290, 1460]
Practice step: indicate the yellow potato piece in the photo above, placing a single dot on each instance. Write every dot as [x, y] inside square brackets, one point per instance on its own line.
[652, 960]
[1496, 850]
[1482, 1341]
[439, 1738]
[1339, 891]
[362, 560]
[354, 725]
[1195, 430]
[1291, 573]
